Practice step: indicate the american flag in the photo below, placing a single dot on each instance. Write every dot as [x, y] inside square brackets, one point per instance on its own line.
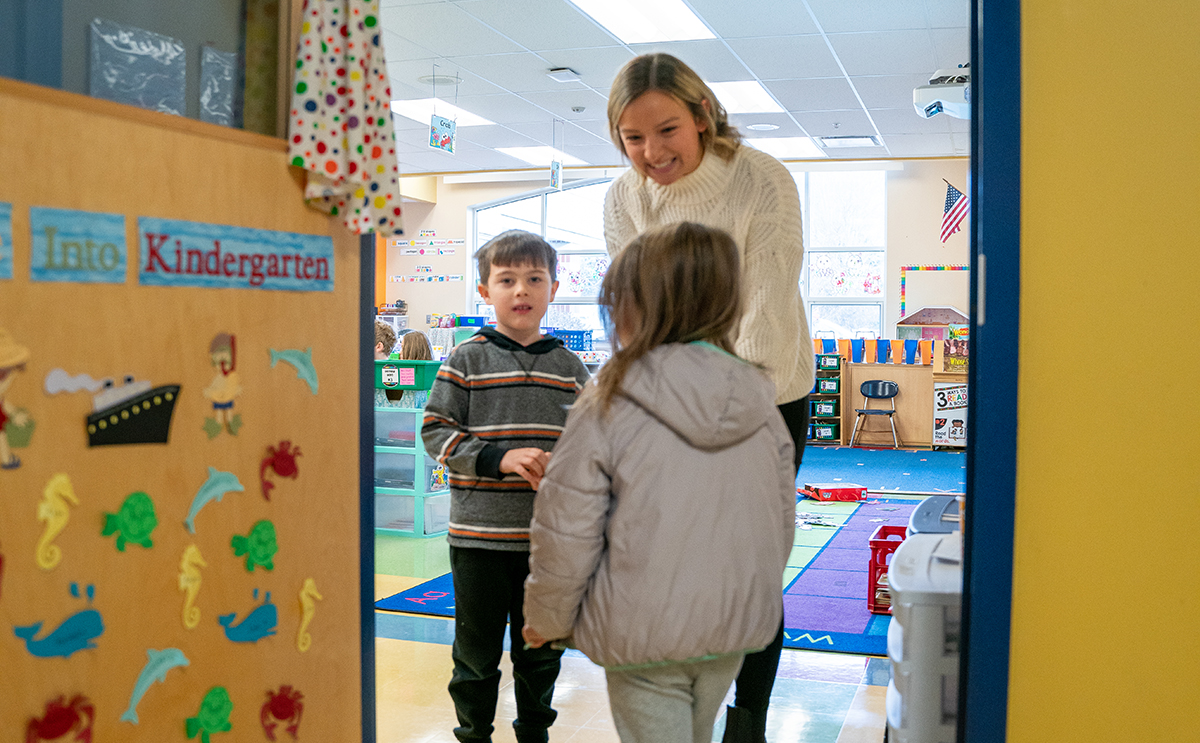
[957, 207]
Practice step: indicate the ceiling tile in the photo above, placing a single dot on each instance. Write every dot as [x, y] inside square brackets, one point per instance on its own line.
[596, 67]
[885, 52]
[560, 102]
[409, 73]
[907, 121]
[836, 123]
[733, 20]
[504, 109]
[856, 153]
[869, 15]
[815, 94]
[959, 125]
[787, 127]
[559, 24]
[962, 143]
[523, 72]
[709, 58]
[888, 91]
[446, 29]
[786, 57]
[920, 145]
[602, 154]
[495, 136]
[950, 14]
[952, 47]
[397, 48]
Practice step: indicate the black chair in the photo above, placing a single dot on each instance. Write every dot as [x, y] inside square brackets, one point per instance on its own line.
[877, 389]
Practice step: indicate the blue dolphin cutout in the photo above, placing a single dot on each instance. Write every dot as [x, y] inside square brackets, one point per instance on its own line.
[214, 489]
[160, 661]
[258, 624]
[302, 360]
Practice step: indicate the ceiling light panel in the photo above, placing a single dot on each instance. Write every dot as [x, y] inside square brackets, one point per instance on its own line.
[422, 109]
[828, 142]
[786, 147]
[541, 155]
[646, 21]
[745, 97]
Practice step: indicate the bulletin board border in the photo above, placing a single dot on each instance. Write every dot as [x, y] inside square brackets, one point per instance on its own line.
[926, 267]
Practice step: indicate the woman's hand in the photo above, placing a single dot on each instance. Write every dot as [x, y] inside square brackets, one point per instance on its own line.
[532, 638]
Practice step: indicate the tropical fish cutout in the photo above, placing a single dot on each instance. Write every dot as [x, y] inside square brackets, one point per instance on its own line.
[77, 633]
[54, 510]
[308, 607]
[157, 664]
[214, 489]
[189, 583]
[259, 623]
[259, 546]
[133, 523]
[302, 360]
[213, 716]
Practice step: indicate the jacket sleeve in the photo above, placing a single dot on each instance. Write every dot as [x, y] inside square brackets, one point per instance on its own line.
[567, 535]
[444, 429]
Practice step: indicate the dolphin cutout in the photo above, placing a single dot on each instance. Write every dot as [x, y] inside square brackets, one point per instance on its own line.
[160, 661]
[214, 488]
[302, 360]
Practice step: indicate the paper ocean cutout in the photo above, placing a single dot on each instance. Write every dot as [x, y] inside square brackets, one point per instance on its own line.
[214, 488]
[157, 664]
[302, 360]
[225, 386]
[133, 523]
[282, 462]
[308, 607]
[258, 624]
[76, 633]
[132, 413]
[63, 717]
[189, 583]
[285, 705]
[54, 509]
[259, 546]
[213, 716]
[12, 360]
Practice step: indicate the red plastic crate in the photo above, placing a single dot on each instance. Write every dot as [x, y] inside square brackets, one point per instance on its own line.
[883, 543]
[838, 491]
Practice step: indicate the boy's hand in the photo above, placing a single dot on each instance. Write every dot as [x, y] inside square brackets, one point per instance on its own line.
[532, 638]
[530, 463]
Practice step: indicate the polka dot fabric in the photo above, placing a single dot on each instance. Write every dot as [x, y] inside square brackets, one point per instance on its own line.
[341, 124]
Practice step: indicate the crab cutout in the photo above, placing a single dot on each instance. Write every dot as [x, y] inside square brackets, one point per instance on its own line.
[63, 717]
[284, 705]
[281, 461]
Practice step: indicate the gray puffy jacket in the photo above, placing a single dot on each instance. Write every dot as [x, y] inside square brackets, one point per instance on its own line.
[661, 529]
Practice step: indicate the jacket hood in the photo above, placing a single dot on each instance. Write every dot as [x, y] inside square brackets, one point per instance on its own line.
[547, 343]
[710, 398]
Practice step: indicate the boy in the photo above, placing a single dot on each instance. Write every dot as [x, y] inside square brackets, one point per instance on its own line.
[496, 409]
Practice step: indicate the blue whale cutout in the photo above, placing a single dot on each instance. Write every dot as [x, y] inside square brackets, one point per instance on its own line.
[258, 624]
[76, 633]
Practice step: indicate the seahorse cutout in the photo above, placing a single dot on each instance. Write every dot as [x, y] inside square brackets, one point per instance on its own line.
[189, 583]
[54, 509]
[308, 607]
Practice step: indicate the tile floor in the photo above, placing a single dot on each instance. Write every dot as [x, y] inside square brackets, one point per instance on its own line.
[818, 697]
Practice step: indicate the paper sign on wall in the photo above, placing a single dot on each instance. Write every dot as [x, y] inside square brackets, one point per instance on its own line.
[75, 246]
[6, 252]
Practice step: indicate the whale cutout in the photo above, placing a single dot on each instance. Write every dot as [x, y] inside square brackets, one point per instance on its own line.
[258, 624]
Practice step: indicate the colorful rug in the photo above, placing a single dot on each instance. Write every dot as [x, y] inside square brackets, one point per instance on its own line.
[435, 597]
[886, 471]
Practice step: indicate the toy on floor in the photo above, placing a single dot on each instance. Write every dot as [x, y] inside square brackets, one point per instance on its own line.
[839, 491]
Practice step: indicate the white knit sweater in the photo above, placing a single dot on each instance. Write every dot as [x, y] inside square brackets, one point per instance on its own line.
[754, 199]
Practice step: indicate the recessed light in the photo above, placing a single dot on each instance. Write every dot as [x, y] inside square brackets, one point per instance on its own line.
[848, 141]
[646, 21]
[421, 109]
[745, 97]
[440, 79]
[786, 146]
[540, 155]
[563, 75]
[762, 127]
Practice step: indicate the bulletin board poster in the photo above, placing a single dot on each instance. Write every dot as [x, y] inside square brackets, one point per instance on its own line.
[955, 349]
[949, 414]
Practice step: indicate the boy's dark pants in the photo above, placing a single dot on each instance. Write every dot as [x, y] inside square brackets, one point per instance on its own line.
[489, 590]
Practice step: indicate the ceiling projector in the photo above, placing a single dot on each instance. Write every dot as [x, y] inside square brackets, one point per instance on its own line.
[948, 92]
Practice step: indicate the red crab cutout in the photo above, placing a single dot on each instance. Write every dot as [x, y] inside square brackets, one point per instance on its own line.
[284, 705]
[63, 717]
[281, 461]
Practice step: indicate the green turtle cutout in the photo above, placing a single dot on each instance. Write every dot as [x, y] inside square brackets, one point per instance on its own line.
[133, 523]
[259, 546]
[213, 716]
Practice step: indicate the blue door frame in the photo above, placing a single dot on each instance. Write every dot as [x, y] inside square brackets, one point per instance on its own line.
[995, 192]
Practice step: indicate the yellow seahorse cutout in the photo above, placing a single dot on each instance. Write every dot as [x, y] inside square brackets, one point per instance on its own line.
[189, 583]
[54, 509]
[307, 608]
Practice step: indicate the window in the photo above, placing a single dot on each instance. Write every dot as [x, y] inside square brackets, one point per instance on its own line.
[845, 239]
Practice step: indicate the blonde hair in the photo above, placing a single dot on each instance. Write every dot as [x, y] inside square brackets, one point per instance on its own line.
[414, 346]
[671, 76]
[386, 335]
[675, 284]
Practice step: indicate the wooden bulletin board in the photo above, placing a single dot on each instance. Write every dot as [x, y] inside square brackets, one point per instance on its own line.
[78, 555]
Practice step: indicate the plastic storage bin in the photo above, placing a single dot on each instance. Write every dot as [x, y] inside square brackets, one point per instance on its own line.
[472, 321]
[828, 362]
[923, 639]
[884, 542]
[398, 513]
[824, 408]
[828, 385]
[575, 340]
[823, 431]
[402, 374]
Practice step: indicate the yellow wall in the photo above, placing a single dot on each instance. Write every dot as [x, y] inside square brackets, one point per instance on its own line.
[1106, 614]
[67, 151]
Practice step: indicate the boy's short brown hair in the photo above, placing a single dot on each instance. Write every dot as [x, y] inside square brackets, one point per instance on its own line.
[516, 248]
[385, 335]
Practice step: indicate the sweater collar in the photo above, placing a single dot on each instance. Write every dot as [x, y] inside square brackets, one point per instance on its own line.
[708, 180]
[545, 345]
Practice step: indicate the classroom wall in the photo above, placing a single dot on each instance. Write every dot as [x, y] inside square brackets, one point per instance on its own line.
[68, 151]
[1105, 611]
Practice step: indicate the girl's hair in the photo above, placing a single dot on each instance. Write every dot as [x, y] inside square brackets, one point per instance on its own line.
[414, 346]
[673, 77]
[674, 284]
[386, 335]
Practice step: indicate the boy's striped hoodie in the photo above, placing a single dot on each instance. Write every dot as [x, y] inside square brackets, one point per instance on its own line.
[492, 395]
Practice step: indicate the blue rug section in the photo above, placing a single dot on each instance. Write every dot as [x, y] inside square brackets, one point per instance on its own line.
[886, 470]
[434, 597]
